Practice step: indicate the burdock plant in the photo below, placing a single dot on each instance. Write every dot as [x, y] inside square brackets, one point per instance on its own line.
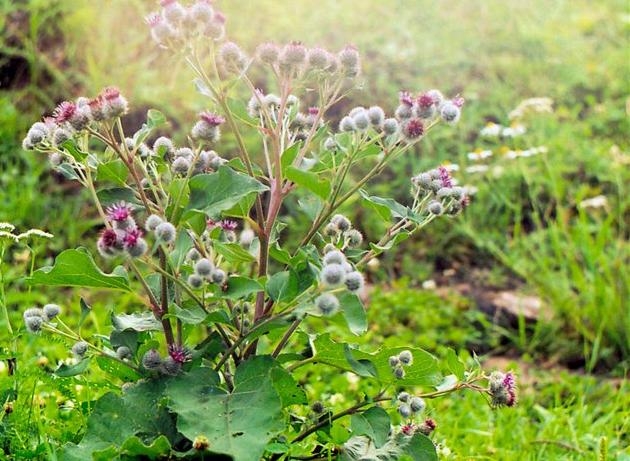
[225, 293]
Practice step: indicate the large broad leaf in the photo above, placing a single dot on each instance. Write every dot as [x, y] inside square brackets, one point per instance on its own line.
[240, 423]
[114, 171]
[138, 321]
[77, 268]
[283, 286]
[419, 448]
[139, 412]
[233, 252]
[115, 368]
[216, 192]
[241, 287]
[375, 423]
[423, 372]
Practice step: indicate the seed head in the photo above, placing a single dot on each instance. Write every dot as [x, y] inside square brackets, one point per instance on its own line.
[327, 303]
[361, 120]
[399, 373]
[204, 267]
[151, 360]
[152, 222]
[173, 11]
[354, 281]
[403, 397]
[193, 255]
[333, 275]
[79, 349]
[393, 361]
[50, 311]
[181, 165]
[195, 281]
[166, 232]
[435, 207]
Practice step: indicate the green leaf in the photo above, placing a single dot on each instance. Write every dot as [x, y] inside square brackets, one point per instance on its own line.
[455, 365]
[309, 181]
[85, 311]
[117, 369]
[362, 367]
[65, 371]
[374, 423]
[193, 315]
[216, 192]
[138, 321]
[76, 268]
[70, 146]
[114, 171]
[286, 160]
[158, 449]
[240, 423]
[241, 287]
[155, 118]
[233, 252]
[354, 313]
[117, 194]
[287, 388]
[282, 286]
[423, 372]
[420, 448]
[140, 411]
[397, 210]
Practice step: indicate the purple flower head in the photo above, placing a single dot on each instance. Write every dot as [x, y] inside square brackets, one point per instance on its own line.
[406, 98]
[64, 111]
[425, 100]
[445, 177]
[228, 225]
[179, 354]
[313, 110]
[458, 101]
[153, 19]
[110, 93]
[120, 211]
[211, 223]
[413, 128]
[211, 119]
[509, 383]
[219, 17]
[408, 429]
[108, 238]
[131, 237]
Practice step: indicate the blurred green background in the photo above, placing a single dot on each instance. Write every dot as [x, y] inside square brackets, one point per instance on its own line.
[529, 231]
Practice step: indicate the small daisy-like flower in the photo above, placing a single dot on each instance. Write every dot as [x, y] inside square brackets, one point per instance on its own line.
[180, 354]
[120, 211]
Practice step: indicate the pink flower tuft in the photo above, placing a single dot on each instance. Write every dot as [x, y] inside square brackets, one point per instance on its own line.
[110, 93]
[445, 177]
[131, 237]
[509, 383]
[153, 19]
[406, 98]
[211, 119]
[408, 429]
[179, 354]
[413, 128]
[458, 101]
[120, 211]
[228, 225]
[425, 100]
[64, 111]
[109, 238]
[313, 110]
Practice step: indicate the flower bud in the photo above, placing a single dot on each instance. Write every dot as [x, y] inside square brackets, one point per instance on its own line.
[406, 358]
[152, 222]
[376, 115]
[215, 29]
[361, 120]
[170, 366]
[404, 410]
[218, 276]
[435, 207]
[417, 404]
[151, 360]
[60, 135]
[390, 126]
[268, 53]
[201, 12]
[393, 361]
[342, 223]
[354, 237]
[330, 144]
[403, 112]
[450, 112]
[33, 324]
[412, 129]
[204, 267]
[347, 124]
[138, 249]
[163, 147]
[427, 426]
[181, 165]
[232, 59]
[330, 230]
[327, 303]
[354, 281]
[333, 275]
[207, 128]
[123, 352]
[114, 104]
[166, 232]
[317, 59]
[50, 311]
[79, 349]
[292, 57]
[349, 61]
[173, 11]
[193, 255]
[399, 373]
[403, 397]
